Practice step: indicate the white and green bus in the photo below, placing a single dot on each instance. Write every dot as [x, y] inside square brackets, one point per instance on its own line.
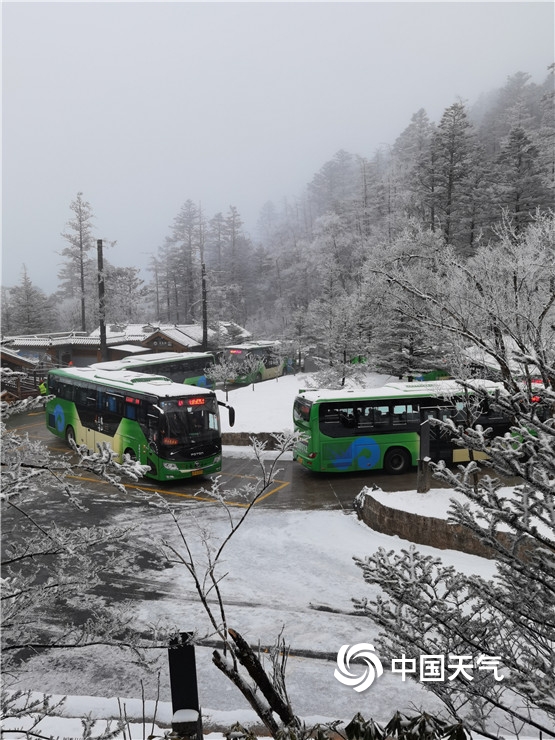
[254, 361]
[172, 428]
[190, 368]
[379, 428]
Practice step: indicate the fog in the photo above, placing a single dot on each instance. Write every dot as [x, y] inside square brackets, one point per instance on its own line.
[142, 106]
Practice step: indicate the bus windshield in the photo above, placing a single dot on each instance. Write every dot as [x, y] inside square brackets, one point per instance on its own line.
[236, 355]
[187, 418]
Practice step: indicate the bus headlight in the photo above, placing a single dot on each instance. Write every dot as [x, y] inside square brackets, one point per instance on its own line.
[170, 466]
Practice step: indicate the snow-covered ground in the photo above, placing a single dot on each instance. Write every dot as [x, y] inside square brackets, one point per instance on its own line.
[287, 570]
[263, 407]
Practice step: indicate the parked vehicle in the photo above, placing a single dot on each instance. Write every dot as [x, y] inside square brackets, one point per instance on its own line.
[171, 427]
[254, 361]
[349, 430]
[181, 367]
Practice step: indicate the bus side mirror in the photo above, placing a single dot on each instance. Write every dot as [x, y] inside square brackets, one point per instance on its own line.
[231, 411]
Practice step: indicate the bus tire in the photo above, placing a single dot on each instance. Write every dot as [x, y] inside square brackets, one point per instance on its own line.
[396, 461]
[258, 377]
[70, 435]
[131, 453]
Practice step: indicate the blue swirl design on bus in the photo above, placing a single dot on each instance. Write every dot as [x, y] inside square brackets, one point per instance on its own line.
[364, 452]
[59, 418]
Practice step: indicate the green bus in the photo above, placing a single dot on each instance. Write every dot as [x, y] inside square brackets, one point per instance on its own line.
[172, 428]
[255, 361]
[181, 367]
[379, 428]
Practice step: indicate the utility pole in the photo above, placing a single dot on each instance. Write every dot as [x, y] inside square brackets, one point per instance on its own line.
[204, 309]
[101, 302]
[423, 477]
[203, 284]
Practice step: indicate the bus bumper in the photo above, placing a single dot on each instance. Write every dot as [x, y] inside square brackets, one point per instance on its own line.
[178, 471]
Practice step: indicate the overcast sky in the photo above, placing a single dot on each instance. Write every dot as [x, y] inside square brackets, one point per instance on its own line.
[142, 106]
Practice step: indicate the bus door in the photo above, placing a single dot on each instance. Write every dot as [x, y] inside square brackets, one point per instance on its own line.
[85, 402]
[441, 446]
[109, 407]
[97, 422]
[90, 436]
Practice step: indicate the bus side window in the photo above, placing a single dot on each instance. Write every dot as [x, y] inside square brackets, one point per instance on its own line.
[130, 406]
[365, 417]
[111, 403]
[81, 396]
[172, 371]
[382, 416]
[405, 413]
[272, 360]
[61, 389]
[329, 417]
[400, 415]
[100, 400]
[347, 418]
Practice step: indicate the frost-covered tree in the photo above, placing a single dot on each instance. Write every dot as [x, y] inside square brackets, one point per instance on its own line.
[77, 275]
[334, 184]
[508, 621]
[414, 155]
[453, 146]
[27, 309]
[237, 281]
[401, 343]
[126, 294]
[520, 184]
[502, 302]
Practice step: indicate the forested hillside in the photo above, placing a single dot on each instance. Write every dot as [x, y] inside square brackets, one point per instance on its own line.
[318, 273]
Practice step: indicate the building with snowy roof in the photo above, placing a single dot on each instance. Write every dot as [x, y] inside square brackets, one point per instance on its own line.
[81, 349]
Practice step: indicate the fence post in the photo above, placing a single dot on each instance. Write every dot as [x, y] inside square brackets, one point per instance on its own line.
[424, 475]
[187, 717]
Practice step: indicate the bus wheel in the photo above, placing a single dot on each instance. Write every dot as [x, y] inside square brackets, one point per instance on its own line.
[131, 454]
[70, 436]
[258, 378]
[397, 461]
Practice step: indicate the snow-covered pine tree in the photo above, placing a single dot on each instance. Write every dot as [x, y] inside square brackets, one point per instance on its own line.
[27, 309]
[77, 275]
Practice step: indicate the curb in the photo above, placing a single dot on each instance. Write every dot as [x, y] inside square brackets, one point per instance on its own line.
[243, 439]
